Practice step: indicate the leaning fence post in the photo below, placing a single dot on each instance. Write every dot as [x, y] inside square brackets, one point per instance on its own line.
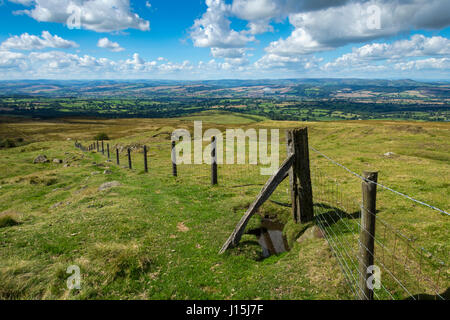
[117, 156]
[107, 148]
[300, 175]
[129, 159]
[145, 159]
[213, 161]
[174, 160]
[103, 148]
[367, 233]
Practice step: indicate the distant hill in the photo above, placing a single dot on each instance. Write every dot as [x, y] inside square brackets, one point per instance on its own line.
[208, 88]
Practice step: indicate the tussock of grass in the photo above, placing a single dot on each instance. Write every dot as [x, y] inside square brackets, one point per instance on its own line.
[123, 260]
[8, 219]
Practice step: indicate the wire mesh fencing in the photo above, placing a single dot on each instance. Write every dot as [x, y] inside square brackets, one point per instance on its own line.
[407, 263]
[407, 269]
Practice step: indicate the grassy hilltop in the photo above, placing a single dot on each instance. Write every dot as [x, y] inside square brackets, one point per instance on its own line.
[157, 237]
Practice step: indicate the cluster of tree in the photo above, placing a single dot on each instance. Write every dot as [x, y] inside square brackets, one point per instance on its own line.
[272, 107]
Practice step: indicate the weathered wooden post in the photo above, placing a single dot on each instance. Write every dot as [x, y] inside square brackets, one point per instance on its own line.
[117, 156]
[97, 146]
[129, 158]
[107, 149]
[367, 233]
[145, 159]
[103, 148]
[213, 161]
[300, 175]
[174, 160]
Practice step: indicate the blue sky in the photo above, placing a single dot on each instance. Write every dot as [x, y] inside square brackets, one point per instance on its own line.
[215, 39]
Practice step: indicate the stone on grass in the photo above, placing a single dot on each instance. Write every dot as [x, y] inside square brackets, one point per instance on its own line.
[41, 159]
[312, 233]
[56, 205]
[107, 171]
[389, 154]
[57, 160]
[109, 185]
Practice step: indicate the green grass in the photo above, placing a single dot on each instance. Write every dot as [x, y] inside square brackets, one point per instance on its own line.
[223, 117]
[158, 237]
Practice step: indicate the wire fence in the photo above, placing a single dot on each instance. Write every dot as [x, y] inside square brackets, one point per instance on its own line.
[409, 269]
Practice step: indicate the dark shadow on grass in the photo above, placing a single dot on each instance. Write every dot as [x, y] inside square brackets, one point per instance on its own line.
[331, 215]
[422, 296]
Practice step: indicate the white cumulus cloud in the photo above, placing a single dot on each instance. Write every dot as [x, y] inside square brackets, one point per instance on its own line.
[110, 45]
[95, 15]
[213, 28]
[32, 42]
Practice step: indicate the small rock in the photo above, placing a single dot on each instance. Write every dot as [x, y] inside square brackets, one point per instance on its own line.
[56, 205]
[57, 161]
[80, 190]
[68, 139]
[181, 227]
[389, 154]
[109, 185]
[107, 172]
[94, 173]
[41, 159]
[66, 165]
[311, 233]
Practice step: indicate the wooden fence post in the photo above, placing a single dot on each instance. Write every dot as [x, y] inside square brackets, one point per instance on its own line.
[145, 159]
[367, 233]
[300, 175]
[97, 146]
[129, 159]
[117, 156]
[213, 161]
[103, 148]
[174, 160]
[107, 148]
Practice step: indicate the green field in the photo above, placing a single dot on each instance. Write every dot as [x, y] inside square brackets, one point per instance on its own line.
[157, 237]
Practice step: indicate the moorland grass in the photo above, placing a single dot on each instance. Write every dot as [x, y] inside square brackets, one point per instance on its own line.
[157, 237]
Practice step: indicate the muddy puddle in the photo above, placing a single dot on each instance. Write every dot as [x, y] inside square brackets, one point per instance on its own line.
[270, 238]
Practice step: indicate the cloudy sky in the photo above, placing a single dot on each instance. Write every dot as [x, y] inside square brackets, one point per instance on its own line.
[216, 39]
